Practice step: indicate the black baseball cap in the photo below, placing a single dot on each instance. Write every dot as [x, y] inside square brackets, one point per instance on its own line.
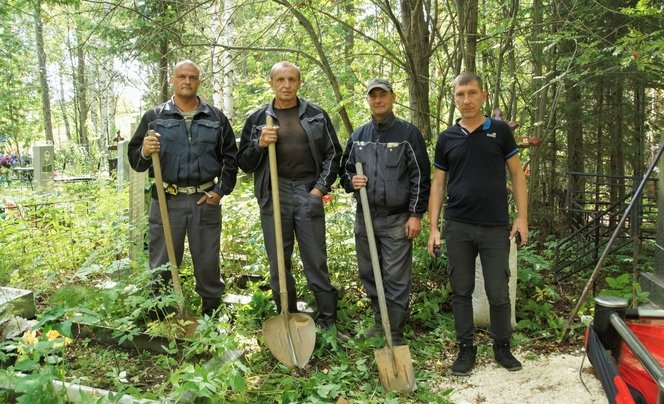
[378, 83]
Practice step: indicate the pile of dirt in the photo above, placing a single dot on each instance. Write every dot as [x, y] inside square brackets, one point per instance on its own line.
[554, 378]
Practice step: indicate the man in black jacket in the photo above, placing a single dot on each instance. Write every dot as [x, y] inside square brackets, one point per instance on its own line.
[396, 168]
[197, 150]
[308, 154]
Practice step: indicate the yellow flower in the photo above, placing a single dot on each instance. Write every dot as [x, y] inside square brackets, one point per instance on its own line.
[29, 338]
[53, 334]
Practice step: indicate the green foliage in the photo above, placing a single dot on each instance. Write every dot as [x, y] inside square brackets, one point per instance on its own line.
[624, 286]
[93, 283]
[536, 297]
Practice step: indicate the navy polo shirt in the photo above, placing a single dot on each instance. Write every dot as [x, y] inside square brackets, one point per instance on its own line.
[476, 172]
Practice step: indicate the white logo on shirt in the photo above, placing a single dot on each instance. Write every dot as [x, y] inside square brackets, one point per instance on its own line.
[493, 135]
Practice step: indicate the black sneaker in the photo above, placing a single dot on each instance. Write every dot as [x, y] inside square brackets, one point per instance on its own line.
[465, 362]
[503, 355]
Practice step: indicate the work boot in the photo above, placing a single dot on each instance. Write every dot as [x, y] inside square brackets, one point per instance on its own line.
[209, 305]
[326, 317]
[503, 355]
[377, 329]
[292, 301]
[398, 320]
[465, 362]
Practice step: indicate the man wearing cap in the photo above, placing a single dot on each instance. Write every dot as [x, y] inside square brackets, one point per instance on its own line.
[396, 177]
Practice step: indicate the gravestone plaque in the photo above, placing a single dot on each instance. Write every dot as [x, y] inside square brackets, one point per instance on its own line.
[137, 212]
[17, 302]
[123, 164]
[42, 163]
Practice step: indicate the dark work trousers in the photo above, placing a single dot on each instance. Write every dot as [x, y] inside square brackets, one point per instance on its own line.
[202, 226]
[464, 241]
[302, 218]
[395, 255]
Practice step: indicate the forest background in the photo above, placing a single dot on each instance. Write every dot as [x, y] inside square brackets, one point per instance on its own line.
[581, 79]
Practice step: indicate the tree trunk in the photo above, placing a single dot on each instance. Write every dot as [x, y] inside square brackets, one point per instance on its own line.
[229, 65]
[418, 52]
[471, 33]
[217, 70]
[43, 80]
[81, 91]
[349, 40]
[65, 118]
[164, 93]
[324, 62]
[507, 44]
[575, 146]
[538, 83]
[617, 146]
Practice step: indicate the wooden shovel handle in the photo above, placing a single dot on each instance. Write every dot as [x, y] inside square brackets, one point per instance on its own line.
[276, 206]
[384, 316]
[168, 235]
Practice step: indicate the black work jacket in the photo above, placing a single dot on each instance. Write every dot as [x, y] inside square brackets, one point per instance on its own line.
[206, 153]
[395, 161]
[321, 136]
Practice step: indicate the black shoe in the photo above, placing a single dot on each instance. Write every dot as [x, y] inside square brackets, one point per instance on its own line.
[503, 355]
[397, 339]
[377, 329]
[465, 362]
[209, 305]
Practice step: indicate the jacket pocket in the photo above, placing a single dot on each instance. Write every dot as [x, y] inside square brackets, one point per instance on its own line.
[394, 154]
[205, 131]
[314, 127]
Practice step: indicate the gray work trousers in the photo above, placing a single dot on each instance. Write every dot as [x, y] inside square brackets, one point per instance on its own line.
[302, 218]
[202, 226]
[395, 255]
[464, 241]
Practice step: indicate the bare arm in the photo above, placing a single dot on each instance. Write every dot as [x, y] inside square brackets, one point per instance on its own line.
[520, 191]
[436, 198]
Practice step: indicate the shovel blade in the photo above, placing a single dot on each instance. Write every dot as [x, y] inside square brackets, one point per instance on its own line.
[395, 368]
[292, 342]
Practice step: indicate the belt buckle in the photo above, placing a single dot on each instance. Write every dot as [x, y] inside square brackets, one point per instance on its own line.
[172, 189]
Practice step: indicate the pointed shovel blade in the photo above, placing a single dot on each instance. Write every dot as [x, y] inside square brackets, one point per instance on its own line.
[395, 368]
[291, 338]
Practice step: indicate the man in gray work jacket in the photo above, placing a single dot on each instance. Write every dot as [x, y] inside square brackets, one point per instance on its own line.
[308, 154]
[396, 176]
[197, 150]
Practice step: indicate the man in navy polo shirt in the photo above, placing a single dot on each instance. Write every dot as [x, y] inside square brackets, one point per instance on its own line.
[470, 160]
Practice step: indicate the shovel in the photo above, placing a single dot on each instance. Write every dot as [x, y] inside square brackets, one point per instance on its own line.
[290, 337]
[168, 236]
[395, 365]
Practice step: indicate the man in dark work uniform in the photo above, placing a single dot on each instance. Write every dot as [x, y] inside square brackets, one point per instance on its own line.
[308, 156]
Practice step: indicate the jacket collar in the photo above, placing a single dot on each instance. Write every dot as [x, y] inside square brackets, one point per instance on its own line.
[301, 108]
[386, 124]
[170, 107]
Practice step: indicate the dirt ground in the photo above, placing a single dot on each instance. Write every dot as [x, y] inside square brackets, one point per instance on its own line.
[554, 378]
